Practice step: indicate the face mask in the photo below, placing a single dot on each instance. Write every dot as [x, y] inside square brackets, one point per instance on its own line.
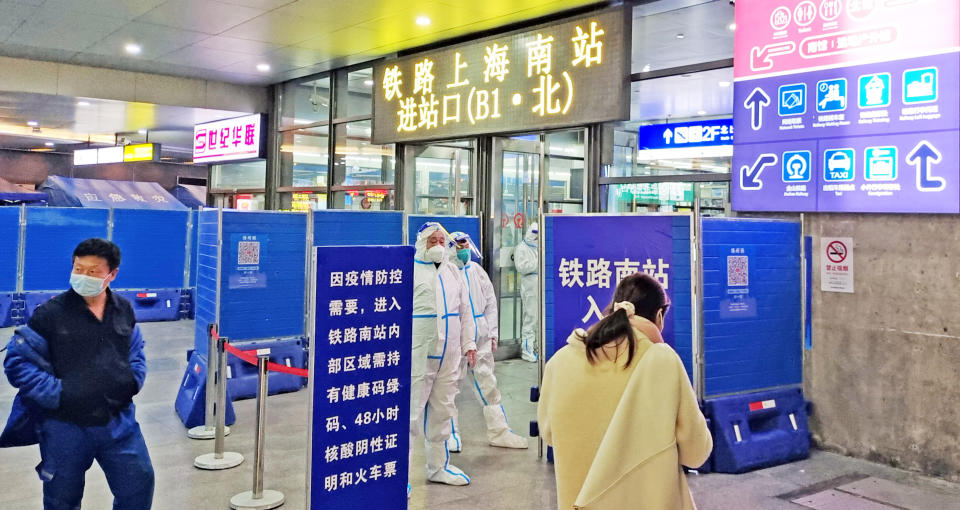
[435, 254]
[86, 286]
[464, 255]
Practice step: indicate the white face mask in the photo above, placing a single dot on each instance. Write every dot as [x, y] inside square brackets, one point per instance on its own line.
[86, 286]
[435, 254]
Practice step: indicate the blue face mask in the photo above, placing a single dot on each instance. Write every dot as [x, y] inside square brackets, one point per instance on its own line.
[86, 286]
[464, 255]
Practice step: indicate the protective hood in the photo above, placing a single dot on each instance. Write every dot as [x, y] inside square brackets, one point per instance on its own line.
[425, 231]
[533, 233]
[460, 237]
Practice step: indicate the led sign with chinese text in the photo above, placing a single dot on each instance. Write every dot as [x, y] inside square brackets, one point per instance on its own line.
[141, 152]
[238, 139]
[570, 73]
[685, 134]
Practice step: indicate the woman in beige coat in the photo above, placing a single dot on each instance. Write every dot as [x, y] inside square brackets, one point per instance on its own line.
[619, 411]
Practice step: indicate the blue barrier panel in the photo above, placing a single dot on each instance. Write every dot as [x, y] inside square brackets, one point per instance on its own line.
[752, 305]
[152, 247]
[154, 305]
[9, 247]
[194, 246]
[467, 224]
[7, 300]
[242, 376]
[52, 234]
[658, 245]
[263, 275]
[205, 298]
[756, 430]
[190, 403]
[357, 228]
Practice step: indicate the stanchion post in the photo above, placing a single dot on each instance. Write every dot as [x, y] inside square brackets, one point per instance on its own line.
[258, 498]
[219, 459]
[208, 429]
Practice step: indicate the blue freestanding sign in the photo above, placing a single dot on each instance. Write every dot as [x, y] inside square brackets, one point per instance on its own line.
[361, 377]
[596, 252]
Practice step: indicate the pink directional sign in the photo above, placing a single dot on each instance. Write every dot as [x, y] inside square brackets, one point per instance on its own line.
[847, 105]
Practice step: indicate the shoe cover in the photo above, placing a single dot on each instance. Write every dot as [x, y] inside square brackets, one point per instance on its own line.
[439, 469]
[498, 431]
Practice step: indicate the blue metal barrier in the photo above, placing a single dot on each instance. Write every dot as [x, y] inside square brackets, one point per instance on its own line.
[190, 403]
[31, 300]
[357, 228]
[9, 247]
[756, 430]
[51, 236]
[153, 247]
[242, 376]
[7, 303]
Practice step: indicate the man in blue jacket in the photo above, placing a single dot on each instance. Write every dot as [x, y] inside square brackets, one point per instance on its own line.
[77, 366]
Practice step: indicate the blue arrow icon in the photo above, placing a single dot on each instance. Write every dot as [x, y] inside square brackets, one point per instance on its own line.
[750, 177]
[924, 156]
[755, 103]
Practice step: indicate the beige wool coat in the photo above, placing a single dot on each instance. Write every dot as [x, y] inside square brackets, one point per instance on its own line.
[620, 435]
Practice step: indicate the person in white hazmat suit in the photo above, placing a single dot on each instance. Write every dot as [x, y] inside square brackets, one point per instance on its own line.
[442, 335]
[526, 258]
[483, 308]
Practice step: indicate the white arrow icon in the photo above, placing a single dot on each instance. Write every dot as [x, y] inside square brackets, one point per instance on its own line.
[667, 135]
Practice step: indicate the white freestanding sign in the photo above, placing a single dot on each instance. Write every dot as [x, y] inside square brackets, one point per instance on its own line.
[836, 264]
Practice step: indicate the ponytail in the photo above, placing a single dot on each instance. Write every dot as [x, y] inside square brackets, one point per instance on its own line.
[613, 327]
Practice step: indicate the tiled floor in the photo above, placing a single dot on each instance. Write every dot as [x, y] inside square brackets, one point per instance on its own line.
[501, 479]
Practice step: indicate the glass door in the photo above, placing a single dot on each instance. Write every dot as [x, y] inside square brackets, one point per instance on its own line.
[533, 173]
[441, 179]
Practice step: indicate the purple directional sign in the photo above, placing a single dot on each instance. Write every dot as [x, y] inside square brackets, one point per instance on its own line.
[875, 129]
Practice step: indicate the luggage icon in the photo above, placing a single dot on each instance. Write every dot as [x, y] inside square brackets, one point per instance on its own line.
[921, 88]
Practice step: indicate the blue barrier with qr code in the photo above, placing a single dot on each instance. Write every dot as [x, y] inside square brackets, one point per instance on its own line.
[752, 305]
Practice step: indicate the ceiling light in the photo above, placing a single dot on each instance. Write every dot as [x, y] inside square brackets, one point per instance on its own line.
[133, 49]
[423, 21]
[368, 83]
[33, 123]
[83, 103]
[732, 26]
[142, 131]
[701, 112]
[49, 144]
[263, 67]
[680, 36]
[723, 83]
[646, 68]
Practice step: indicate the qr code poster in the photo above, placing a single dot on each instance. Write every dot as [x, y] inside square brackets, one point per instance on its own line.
[248, 253]
[738, 271]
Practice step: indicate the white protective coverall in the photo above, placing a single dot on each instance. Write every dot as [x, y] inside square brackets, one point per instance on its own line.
[526, 257]
[483, 308]
[440, 340]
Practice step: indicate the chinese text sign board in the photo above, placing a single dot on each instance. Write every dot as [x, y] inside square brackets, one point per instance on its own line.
[836, 264]
[847, 106]
[361, 377]
[591, 257]
[238, 139]
[686, 134]
[570, 73]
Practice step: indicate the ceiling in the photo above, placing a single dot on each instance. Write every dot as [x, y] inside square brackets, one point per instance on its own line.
[705, 94]
[227, 40]
[706, 27]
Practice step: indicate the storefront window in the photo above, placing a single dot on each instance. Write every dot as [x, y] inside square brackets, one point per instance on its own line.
[304, 201]
[305, 102]
[356, 161]
[250, 175]
[369, 199]
[305, 156]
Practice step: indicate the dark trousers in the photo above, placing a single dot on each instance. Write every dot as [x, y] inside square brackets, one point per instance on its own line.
[67, 451]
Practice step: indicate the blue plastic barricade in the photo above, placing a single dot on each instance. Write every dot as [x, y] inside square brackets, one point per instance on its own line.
[7, 303]
[758, 430]
[154, 305]
[191, 397]
[242, 376]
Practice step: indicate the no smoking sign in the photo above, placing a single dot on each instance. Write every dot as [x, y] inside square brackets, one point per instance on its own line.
[836, 265]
